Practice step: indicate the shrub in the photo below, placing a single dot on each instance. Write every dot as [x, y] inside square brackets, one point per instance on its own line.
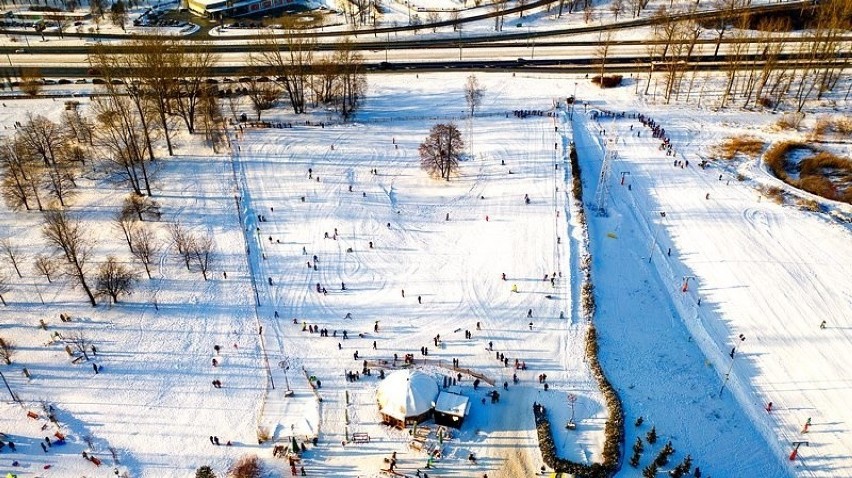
[809, 205]
[262, 434]
[843, 125]
[205, 472]
[821, 126]
[747, 145]
[607, 81]
[815, 172]
[774, 193]
[790, 121]
[248, 466]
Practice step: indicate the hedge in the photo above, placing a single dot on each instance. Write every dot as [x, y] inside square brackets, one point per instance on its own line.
[614, 427]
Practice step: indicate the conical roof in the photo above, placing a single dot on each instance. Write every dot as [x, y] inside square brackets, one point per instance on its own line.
[407, 393]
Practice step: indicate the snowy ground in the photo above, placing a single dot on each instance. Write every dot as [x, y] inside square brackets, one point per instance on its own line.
[755, 265]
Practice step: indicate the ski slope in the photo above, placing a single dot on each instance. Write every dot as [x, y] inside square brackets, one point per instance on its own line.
[769, 272]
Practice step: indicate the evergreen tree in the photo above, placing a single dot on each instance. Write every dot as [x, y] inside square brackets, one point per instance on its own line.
[651, 436]
[686, 464]
[639, 421]
[638, 447]
[634, 459]
[650, 471]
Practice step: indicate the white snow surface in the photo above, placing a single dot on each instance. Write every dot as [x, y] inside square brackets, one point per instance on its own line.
[766, 271]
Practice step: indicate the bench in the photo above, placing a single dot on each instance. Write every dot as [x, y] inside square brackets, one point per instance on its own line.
[361, 437]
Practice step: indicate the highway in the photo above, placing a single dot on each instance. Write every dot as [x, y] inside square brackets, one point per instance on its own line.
[551, 49]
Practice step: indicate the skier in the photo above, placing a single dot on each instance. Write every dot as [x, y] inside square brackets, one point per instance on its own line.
[707, 196]
[822, 325]
[529, 313]
[531, 325]
[419, 300]
[504, 276]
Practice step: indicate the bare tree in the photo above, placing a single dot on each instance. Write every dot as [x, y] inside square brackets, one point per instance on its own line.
[126, 223]
[202, 251]
[289, 60]
[212, 121]
[5, 287]
[498, 6]
[46, 139]
[12, 252]
[432, 18]
[193, 68]
[80, 341]
[118, 15]
[30, 81]
[115, 279]
[473, 94]
[22, 172]
[120, 134]
[350, 77]
[157, 63]
[182, 241]
[141, 206]
[441, 150]
[145, 247]
[602, 54]
[65, 234]
[7, 349]
[617, 8]
[46, 266]
[121, 71]
[262, 94]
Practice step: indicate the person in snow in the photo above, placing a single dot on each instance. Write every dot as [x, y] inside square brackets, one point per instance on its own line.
[419, 300]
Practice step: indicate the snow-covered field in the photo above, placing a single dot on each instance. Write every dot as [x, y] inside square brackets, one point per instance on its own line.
[769, 272]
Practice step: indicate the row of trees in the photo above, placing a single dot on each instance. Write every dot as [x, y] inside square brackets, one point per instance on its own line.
[754, 72]
[71, 256]
[337, 80]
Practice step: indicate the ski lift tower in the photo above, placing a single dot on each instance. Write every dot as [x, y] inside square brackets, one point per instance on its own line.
[602, 193]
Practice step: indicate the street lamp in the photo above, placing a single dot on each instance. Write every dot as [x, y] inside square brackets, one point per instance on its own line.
[14, 397]
[574, 96]
[285, 365]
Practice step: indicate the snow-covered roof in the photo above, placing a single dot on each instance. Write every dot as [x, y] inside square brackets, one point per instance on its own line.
[452, 404]
[406, 393]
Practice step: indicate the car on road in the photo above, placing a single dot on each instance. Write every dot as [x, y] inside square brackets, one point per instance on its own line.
[20, 50]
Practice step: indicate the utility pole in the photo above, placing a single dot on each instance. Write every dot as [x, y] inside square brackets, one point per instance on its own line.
[654, 240]
[731, 367]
